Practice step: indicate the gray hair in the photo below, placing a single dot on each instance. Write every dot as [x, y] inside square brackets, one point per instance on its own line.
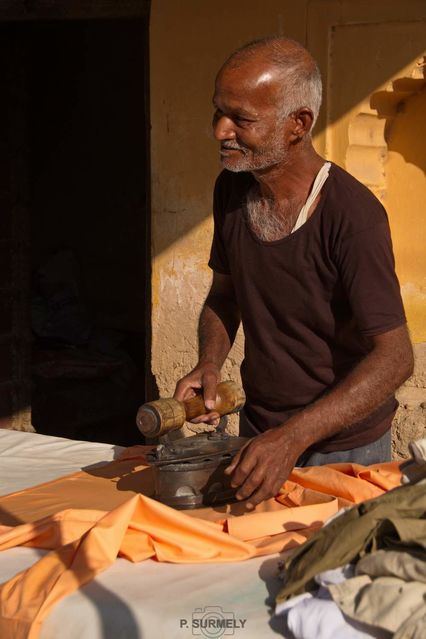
[302, 86]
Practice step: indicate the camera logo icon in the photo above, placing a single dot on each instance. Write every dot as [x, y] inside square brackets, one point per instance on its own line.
[212, 622]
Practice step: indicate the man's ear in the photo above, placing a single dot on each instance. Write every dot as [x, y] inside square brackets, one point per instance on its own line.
[303, 119]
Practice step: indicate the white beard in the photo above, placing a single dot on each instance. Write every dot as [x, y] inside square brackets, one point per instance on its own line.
[265, 218]
[275, 152]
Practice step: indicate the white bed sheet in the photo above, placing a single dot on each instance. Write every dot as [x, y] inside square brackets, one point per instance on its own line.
[148, 600]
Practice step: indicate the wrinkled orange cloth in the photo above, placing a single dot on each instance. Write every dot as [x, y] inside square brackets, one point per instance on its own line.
[350, 483]
[84, 542]
[87, 542]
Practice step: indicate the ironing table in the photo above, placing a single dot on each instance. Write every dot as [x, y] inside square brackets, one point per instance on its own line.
[135, 600]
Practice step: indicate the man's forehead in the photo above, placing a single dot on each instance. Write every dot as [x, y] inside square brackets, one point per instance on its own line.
[255, 71]
[257, 84]
[236, 104]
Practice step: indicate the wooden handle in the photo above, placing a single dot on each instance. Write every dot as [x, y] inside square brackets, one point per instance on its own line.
[164, 415]
[230, 398]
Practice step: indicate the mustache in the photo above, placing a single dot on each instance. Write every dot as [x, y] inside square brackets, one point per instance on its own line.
[233, 146]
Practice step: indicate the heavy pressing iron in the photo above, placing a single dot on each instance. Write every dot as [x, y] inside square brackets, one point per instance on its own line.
[189, 471]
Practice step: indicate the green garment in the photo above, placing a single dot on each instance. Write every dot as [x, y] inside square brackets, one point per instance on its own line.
[395, 520]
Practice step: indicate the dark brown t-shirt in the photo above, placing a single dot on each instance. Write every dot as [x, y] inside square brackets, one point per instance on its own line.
[310, 301]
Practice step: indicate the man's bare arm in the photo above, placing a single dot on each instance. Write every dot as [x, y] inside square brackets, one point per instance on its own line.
[219, 321]
[265, 463]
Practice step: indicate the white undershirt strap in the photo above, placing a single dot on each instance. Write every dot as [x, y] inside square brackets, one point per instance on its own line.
[322, 175]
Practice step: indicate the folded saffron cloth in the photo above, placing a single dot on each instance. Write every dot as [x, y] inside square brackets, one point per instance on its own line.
[89, 518]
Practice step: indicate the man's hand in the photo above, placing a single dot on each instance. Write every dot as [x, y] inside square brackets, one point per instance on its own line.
[261, 467]
[204, 376]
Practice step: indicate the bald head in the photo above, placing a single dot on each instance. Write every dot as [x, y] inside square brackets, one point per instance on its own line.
[285, 59]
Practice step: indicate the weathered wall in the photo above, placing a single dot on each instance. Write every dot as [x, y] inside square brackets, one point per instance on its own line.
[359, 128]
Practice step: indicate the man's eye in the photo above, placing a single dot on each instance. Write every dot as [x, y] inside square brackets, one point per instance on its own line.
[242, 121]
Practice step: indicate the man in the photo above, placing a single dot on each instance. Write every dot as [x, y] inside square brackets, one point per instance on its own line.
[302, 255]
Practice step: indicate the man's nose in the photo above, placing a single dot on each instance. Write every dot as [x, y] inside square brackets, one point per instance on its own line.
[223, 128]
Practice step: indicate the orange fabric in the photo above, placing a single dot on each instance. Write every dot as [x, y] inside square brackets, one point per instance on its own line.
[343, 480]
[99, 488]
[85, 540]
[138, 529]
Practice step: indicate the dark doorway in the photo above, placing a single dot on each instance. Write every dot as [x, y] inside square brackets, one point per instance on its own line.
[84, 181]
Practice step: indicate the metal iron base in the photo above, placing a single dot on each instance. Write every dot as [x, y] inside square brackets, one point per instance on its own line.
[189, 472]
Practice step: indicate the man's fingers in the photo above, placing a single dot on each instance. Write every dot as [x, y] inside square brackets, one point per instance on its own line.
[208, 418]
[235, 460]
[257, 488]
[251, 484]
[229, 469]
[210, 381]
[242, 468]
[262, 493]
[185, 389]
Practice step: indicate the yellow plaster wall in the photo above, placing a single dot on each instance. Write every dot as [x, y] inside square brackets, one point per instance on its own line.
[189, 40]
[406, 203]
